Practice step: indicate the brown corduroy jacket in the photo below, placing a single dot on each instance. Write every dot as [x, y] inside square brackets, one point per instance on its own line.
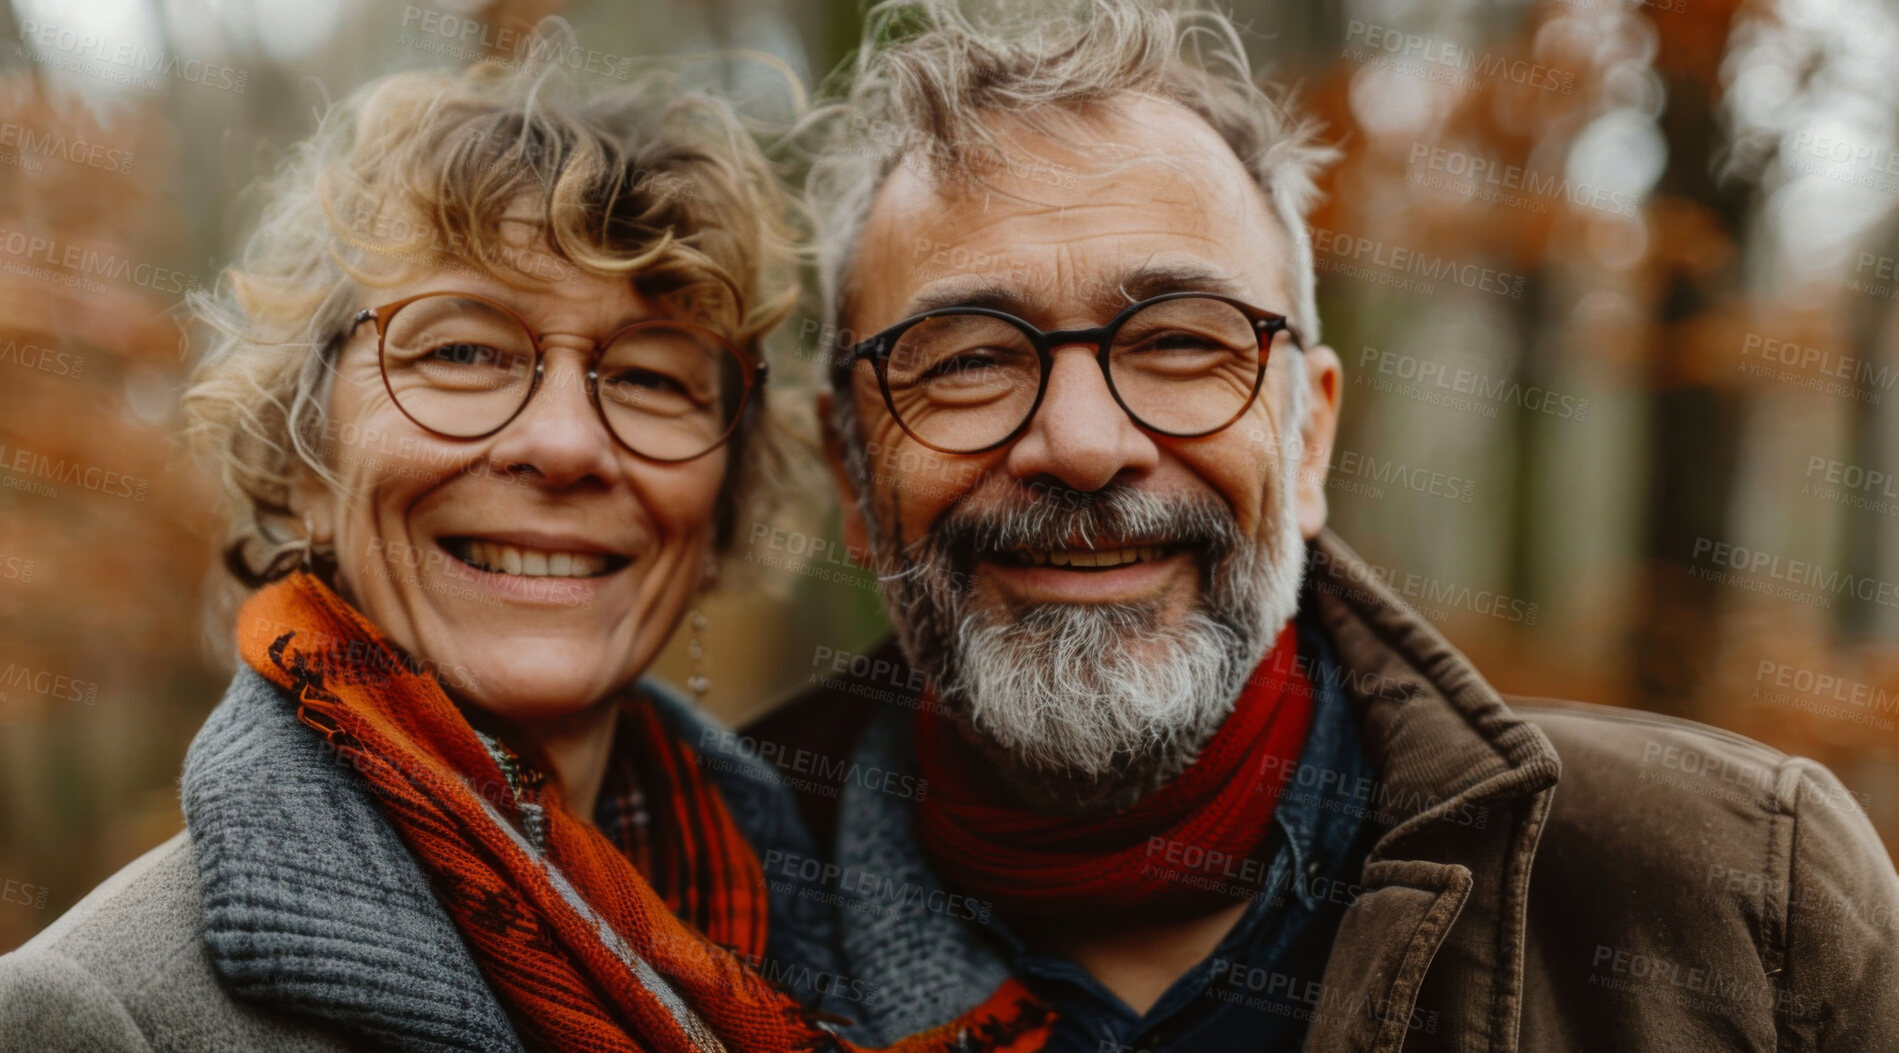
[1641, 882]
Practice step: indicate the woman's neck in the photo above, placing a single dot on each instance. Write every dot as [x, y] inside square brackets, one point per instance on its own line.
[577, 749]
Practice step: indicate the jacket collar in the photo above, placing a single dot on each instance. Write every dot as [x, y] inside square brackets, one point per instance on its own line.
[1465, 786]
[312, 903]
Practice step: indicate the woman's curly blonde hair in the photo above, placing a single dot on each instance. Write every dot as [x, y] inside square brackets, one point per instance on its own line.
[416, 171]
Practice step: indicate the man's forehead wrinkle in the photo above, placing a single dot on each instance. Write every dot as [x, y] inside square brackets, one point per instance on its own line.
[1144, 280]
[1154, 278]
[1022, 204]
[968, 291]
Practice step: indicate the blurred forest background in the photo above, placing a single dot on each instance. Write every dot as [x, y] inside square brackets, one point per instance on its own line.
[1614, 283]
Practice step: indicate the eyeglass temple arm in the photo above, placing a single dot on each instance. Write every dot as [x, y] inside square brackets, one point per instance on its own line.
[1280, 322]
[870, 348]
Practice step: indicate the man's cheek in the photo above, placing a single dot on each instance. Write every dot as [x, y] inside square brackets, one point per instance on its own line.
[1241, 466]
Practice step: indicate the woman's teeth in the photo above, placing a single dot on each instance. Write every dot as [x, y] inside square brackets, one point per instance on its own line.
[1092, 557]
[529, 562]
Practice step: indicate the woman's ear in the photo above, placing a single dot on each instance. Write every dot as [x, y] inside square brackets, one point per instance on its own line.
[312, 501]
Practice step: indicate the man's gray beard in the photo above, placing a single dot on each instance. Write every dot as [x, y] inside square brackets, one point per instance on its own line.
[1092, 706]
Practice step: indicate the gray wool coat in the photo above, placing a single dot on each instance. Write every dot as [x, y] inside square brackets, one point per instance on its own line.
[291, 917]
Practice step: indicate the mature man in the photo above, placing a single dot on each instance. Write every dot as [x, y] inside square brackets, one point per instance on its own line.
[1158, 745]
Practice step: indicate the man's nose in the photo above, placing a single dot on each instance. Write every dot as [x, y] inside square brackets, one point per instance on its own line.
[1080, 436]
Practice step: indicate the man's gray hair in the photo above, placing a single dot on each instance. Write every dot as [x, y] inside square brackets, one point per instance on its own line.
[930, 76]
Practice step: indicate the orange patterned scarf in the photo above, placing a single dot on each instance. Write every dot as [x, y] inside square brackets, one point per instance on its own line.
[583, 951]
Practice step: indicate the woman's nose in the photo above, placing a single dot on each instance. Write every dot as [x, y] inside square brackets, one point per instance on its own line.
[558, 435]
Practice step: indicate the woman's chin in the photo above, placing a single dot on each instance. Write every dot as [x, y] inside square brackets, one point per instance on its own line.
[529, 697]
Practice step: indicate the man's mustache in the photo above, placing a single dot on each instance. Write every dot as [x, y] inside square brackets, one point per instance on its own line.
[1116, 516]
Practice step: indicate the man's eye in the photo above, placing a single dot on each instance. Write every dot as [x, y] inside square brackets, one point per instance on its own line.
[1179, 340]
[962, 363]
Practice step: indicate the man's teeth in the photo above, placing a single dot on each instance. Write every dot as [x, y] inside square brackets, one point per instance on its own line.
[1093, 557]
[530, 562]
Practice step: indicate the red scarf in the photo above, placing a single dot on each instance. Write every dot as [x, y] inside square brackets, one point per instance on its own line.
[1193, 845]
[583, 951]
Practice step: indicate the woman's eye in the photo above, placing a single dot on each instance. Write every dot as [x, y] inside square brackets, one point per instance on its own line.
[646, 378]
[467, 355]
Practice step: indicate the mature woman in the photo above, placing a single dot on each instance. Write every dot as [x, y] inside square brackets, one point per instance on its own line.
[487, 392]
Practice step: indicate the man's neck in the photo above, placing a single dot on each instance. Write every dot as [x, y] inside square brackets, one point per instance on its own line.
[1131, 779]
[1136, 961]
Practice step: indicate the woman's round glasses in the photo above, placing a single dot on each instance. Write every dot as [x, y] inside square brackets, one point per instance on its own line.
[463, 366]
[969, 379]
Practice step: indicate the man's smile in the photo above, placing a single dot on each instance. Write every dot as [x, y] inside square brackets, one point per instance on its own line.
[1129, 574]
[1086, 557]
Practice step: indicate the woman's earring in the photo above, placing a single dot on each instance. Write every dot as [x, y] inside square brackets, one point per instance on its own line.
[309, 542]
[697, 682]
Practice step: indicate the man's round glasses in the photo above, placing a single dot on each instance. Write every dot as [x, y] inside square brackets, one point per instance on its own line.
[463, 366]
[969, 379]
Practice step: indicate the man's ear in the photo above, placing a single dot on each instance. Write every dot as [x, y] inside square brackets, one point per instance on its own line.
[1325, 386]
[850, 508]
